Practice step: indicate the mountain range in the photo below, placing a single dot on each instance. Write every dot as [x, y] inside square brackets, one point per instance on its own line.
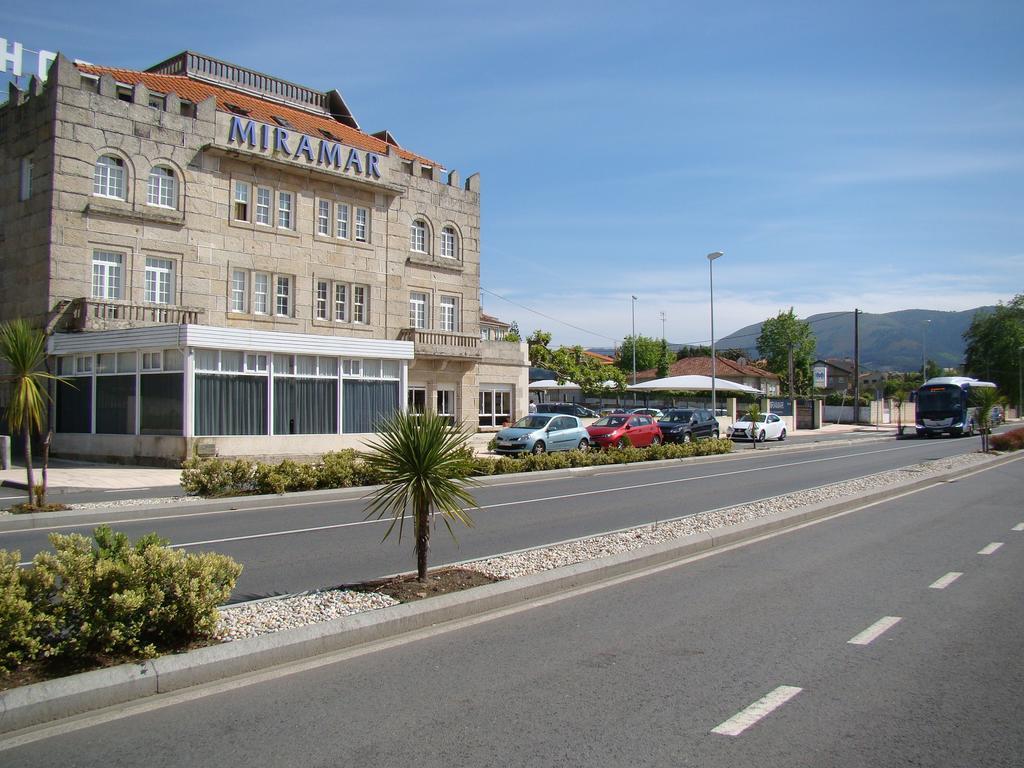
[889, 341]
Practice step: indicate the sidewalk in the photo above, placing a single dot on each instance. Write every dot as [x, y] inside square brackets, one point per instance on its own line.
[65, 476]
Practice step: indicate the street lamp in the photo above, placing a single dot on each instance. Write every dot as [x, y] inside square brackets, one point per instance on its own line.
[632, 307]
[924, 359]
[711, 276]
[1020, 379]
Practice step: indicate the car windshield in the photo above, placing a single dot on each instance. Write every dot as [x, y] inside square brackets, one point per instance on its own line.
[610, 421]
[678, 417]
[532, 422]
[746, 418]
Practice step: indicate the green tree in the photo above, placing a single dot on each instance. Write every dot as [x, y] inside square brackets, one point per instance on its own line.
[513, 332]
[23, 350]
[663, 360]
[898, 390]
[984, 399]
[932, 369]
[425, 465]
[993, 343]
[778, 335]
[648, 354]
[732, 353]
[572, 364]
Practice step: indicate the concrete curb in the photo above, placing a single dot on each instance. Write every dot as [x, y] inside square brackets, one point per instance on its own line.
[55, 699]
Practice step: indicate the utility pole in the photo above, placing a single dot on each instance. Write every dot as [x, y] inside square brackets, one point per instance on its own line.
[856, 365]
[662, 325]
[791, 371]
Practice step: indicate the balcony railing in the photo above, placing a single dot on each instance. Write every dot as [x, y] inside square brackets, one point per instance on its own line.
[98, 314]
[442, 343]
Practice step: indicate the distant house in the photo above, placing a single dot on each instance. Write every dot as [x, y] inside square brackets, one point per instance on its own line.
[492, 329]
[602, 359]
[728, 370]
[838, 374]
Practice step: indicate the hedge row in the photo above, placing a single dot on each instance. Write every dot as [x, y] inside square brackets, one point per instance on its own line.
[95, 599]
[345, 469]
[1008, 441]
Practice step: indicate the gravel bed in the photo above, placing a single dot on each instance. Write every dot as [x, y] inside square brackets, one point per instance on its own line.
[263, 617]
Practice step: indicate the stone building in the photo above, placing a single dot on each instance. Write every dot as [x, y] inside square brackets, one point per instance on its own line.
[228, 264]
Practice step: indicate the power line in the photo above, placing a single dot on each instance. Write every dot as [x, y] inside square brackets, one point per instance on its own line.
[549, 317]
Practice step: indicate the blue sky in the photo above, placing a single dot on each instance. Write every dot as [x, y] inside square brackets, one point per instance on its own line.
[842, 155]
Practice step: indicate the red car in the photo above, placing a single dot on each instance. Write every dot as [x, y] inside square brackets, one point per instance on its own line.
[624, 429]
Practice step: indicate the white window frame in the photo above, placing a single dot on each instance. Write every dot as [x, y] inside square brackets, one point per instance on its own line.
[107, 275]
[108, 178]
[239, 290]
[241, 201]
[264, 205]
[159, 280]
[285, 210]
[418, 236]
[261, 293]
[419, 310]
[162, 187]
[362, 225]
[282, 296]
[360, 304]
[448, 308]
[341, 221]
[323, 218]
[340, 302]
[323, 295]
[449, 243]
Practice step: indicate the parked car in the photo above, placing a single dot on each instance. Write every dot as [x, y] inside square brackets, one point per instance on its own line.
[768, 427]
[572, 409]
[541, 432]
[623, 429]
[681, 425]
[653, 412]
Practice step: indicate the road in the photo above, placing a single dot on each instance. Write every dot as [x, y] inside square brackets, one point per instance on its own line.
[653, 670]
[297, 542]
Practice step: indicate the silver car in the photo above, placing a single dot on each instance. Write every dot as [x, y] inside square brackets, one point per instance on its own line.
[542, 432]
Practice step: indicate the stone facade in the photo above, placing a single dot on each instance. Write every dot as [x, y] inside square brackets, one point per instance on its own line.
[249, 236]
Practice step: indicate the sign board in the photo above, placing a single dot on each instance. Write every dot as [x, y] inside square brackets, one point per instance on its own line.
[781, 407]
[820, 376]
[12, 59]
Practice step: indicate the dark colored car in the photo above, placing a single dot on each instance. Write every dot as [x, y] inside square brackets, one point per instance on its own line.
[624, 429]
[572, 409]
[681, 425]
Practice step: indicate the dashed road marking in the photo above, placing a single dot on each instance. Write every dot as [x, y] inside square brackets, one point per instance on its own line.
[760, 709]
[1019, 527]
[875, 630]
[990, 548]
[946, 580]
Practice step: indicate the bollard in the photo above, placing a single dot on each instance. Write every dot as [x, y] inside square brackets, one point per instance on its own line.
[5, 452]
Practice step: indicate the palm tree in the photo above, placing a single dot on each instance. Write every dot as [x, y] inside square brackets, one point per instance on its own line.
[985, 399]
[23, 349]
[425, 463]
[754, 414]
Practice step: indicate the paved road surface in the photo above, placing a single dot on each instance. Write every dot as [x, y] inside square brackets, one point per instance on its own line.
[653, 671]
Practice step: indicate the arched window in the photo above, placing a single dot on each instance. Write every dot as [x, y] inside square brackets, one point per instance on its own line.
[108, 177]
[449, 243]
[418, 236]
[163, 187]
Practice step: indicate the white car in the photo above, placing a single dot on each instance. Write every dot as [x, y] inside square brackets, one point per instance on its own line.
[767, 427]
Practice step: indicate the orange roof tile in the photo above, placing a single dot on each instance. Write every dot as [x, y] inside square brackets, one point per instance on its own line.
[701, 366]
[258, 109]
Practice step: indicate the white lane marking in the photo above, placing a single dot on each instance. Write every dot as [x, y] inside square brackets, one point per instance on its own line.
[125, 490]
[946, 580]
[990, 548]
[760, 709]
[1019, 527]
[871, 633]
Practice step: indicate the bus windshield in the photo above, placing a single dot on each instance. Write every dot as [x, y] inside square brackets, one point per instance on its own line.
[939, 399]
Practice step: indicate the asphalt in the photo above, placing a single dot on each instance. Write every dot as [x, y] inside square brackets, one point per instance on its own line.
[33, 705]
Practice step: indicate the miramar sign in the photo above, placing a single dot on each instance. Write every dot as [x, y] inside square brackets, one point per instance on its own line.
[299, 146]
[12, 59]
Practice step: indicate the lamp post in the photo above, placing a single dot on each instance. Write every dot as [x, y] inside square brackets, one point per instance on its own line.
[924, 358]
[714, 383]
[632, 307]
[1020, 379]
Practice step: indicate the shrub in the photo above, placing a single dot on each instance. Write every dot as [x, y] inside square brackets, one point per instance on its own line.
[338, 469]
[106, 596]
[19, 619]
[218, 477]
[1009, 441]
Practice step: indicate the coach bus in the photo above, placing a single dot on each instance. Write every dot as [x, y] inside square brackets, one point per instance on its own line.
[944, 406]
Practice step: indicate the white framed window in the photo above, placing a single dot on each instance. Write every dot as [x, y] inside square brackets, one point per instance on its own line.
[445, 402]
[260, 292]
[152, 361]
[359, 311]
[285, 217]
[106, 275]
[418, 236]
[323, 218]
[362, 225]
[240, 209]
[449, 309]
[323, 292]
[340, 302]
[263, 201]
[108, 177]
[283, 296]
[239, 290]
[449, 243]
[163, 188]
[417, 399]
[159, 280]
[341, 221]
[25, 190]
[418, 309]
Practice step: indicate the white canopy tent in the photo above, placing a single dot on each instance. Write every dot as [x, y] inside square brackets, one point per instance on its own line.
[552, 384]
[692, 383]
